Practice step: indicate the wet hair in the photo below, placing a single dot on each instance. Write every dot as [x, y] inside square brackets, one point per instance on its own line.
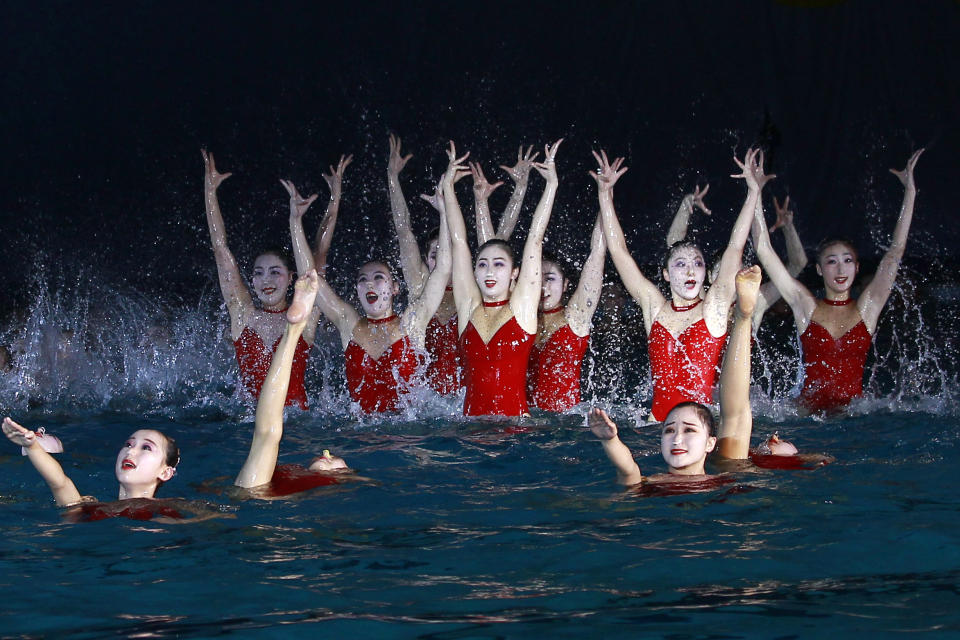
[280, 253]
[433, 234]
[562, 265]
[826, 243]
[676, 246]
[385, 263]
[497, 242]
[703, 412]
[171, 456]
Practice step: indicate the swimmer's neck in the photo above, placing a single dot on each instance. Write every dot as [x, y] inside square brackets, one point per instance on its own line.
[131, 492]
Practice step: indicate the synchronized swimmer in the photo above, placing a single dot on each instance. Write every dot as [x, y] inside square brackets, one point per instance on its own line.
[501, 330]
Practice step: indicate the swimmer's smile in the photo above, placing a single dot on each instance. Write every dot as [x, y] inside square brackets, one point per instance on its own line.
[372, 297]
[127, 464]
[677, 452]
[268, 291]
[490, 284]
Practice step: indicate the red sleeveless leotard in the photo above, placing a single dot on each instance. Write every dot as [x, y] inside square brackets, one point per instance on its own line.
[553, 379]
[378, 383]
[443, 371]
[254, 360]
[833, 369]
[495, 374]
[684, 367]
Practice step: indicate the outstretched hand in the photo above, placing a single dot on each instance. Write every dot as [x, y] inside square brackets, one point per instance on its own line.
[784, 213]
[906, 176]
[456, 169]
[521, 171]
[298, 204]
[548, 168]
[212, 178]
[752, 170]
[697, 198]
[334, 179]
[396, 163]
[436, 199]
[607, 174]
[17, 434]
[601, 425]
[481, 188]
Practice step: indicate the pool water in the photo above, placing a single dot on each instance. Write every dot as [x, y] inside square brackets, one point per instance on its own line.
[470, 529]
[464, 528]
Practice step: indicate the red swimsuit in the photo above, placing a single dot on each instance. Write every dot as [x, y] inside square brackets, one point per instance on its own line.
[553, 379]
[292, 478]
[833, 367]
[378, 383]
[495, 373]
[684, 367]
[443, 371]
[136, 509]
[254, 360]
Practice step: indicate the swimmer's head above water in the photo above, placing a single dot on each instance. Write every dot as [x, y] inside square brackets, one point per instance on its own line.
[686, 437]
[495, 270]
[376, 288]
[685, 269]
[838, 264]
[272, 277]
[555, 282]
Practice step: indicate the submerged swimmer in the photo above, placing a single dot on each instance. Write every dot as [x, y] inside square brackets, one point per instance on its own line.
[687, 434]
[146, 461]
[260, 470]
[836, 331]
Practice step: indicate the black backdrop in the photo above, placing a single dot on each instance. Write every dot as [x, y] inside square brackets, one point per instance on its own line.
[106, 106]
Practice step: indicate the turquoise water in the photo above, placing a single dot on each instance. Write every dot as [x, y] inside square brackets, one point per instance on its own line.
[469, 529]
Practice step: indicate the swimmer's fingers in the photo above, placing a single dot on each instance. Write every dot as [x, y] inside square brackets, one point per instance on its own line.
[601, 425]
[435, 199]
[396, 162]
[18, 434]
[213, 178]
[906, 176]
[698, 196]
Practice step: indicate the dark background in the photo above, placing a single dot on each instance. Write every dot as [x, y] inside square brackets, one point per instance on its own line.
[106, 106]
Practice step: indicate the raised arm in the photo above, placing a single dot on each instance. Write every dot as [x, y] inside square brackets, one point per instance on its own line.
[525, 299]
[628, 472]
[583, 302]
[801, 301]
[681, 220]
[64, 491]
[301, 251]
[421, 308]
[415, 270]
[466, 293]
[736, 416]
[234, 289]
[268, 423]
[325, 233]
[481, 195]
[875, 294]
[642, 290]
[520, 173]
[332, 306]
[716, 304]
[796, 256]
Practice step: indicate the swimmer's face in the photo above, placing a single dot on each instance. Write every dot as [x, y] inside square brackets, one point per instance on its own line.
[271, 279]
[838, 265]
[142, 460]
[685, 272]
[685, 441]
[432, 254]
[328, 463]
[495, 273]
[554, 284]
[376, 288]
